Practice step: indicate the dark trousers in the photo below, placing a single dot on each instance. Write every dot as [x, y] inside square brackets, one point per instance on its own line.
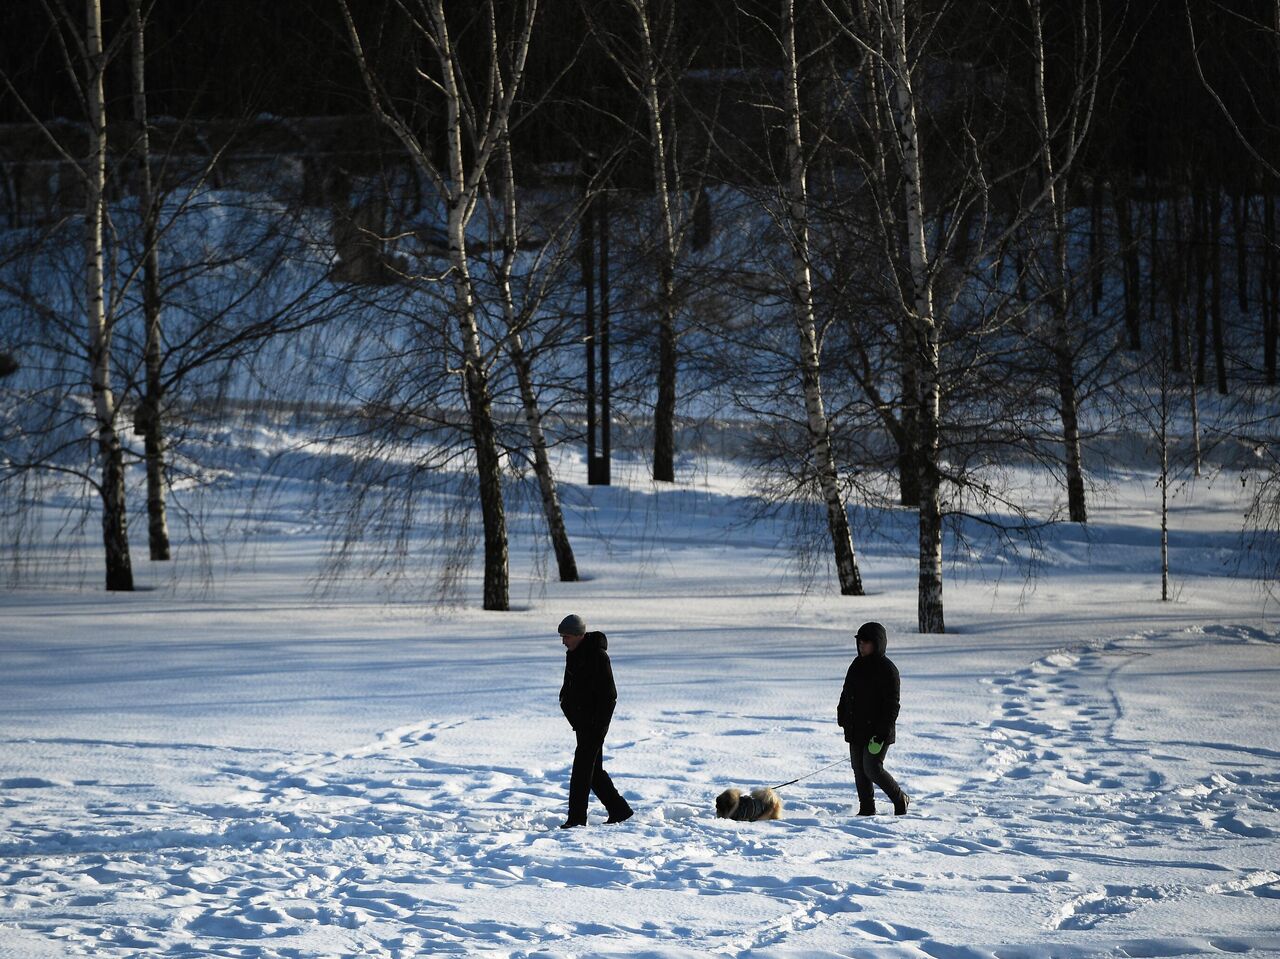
[869, 772]
[589, 776]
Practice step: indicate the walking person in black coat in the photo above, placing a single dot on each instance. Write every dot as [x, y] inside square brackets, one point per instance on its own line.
[868, 713]
[587, 699]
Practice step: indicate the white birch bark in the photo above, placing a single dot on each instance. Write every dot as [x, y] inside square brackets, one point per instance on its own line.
[904, 427]
[819, 427]
[566, 564]
[461, 198]
[1056, 276]
[927, 339]
[115, 530]
[150, 419]
[664, 408]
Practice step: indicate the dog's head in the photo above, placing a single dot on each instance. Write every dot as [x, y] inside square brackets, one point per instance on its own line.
[727, 802]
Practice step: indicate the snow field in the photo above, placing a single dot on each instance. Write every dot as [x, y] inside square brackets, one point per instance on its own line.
[260, 773]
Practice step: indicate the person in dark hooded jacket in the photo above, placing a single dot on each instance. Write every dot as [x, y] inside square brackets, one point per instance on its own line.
[868, 713]
[587, 699]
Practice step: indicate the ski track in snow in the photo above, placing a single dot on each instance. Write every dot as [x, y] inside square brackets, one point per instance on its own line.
[370, 851]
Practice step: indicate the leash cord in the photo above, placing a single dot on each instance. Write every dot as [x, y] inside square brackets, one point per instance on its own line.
[807, 775]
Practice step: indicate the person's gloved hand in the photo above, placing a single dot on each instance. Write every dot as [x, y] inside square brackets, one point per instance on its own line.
[875, 746]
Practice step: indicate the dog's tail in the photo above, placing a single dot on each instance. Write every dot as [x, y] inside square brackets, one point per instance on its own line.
[769, 801]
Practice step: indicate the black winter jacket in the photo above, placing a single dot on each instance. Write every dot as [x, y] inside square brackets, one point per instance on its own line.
[588, 695]
[869, 701]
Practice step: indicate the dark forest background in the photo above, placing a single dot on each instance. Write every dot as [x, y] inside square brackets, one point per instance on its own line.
[290, 58]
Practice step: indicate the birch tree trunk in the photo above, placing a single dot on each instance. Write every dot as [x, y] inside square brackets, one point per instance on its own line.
[927, 345]
[565, 561]
[115, 528]
[904, 427]
[819, 427]
[665, 407]
[149, 417]
[483, 435]
[460, 197]
[1056, 275]
[566, 564]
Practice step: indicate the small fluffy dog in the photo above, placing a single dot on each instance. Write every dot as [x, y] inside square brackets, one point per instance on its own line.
[760, 804]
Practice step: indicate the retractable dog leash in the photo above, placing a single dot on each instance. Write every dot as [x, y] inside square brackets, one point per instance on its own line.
[814, 773]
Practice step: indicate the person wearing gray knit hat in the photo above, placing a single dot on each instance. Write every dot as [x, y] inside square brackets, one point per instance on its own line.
[587, 699]
[572, 625]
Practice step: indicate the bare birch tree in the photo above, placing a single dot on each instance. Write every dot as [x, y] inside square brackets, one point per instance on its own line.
[115, 527]
[87, 51]
[149, 415]
[1054, 272]
[515, 320]
[884, 36]
[1152, 396]
[665, 407]
[924, 322]
[232, 295]
[475, 125]
[936, 221]
[801, 301]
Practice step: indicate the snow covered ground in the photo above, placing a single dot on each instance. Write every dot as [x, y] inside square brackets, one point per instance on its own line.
[257, 772]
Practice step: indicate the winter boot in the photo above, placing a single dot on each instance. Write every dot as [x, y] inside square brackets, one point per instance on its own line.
[901, 803]
[572, 823]
[622, 815]
[866, 810]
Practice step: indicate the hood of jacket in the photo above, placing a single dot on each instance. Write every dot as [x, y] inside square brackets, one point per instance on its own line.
[876, 633]
[591, 641]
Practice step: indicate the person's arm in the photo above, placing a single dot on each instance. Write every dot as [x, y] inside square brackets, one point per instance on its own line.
[569, 707]
[591, 693]
[574, 695]
[844, 707]
[891, 702]
[602, 693]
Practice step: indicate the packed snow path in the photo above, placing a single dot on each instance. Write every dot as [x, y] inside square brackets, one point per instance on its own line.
[1083, 816]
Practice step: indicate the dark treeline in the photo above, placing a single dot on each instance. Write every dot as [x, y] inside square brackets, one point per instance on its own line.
[1185, 82]
[228, 59]
[290, 58]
